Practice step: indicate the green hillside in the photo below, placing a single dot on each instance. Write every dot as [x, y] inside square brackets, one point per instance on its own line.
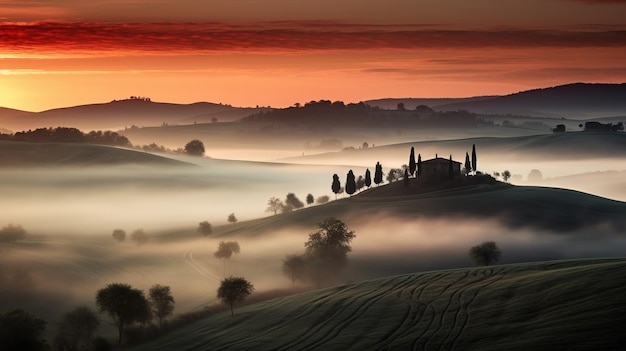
[25, 154]
[573, 305]
[543, 208]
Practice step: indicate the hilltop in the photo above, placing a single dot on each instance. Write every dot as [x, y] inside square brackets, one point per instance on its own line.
[516, 207]
[579, 100]
[574, 305]
[119, 114]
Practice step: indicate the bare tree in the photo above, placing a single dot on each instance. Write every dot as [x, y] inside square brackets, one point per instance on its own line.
[274, 205]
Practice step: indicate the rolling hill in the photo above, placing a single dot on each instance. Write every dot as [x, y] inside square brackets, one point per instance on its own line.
[24, 154]
[119, 114]
[516, 207]
[560, 146]
[579, 100]
[573, 305]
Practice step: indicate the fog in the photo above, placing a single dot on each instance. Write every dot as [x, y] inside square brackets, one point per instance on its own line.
[52, 273]
[98, 200]
[70, 214]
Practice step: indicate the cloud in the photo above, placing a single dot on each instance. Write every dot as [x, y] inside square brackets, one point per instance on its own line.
[281, 36]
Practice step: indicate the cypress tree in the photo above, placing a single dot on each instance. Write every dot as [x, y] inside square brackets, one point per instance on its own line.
[450, 168]
[474, 158]
[350, 183]
[412, 162]
[468, 165]
[378, 174]
[368, 178]
[419, 165]
[336, 185]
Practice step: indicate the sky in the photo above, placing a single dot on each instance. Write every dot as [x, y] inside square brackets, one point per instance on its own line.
[281, 52]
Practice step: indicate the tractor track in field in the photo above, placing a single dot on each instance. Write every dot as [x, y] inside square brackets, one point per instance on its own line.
[431, 305]
[188, 257]
[469, 302]
[316, 336]
[412, 314]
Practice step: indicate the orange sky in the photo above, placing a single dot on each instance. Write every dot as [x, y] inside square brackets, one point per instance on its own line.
[279, 52]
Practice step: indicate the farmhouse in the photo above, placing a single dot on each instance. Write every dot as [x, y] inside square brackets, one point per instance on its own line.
[439, 168]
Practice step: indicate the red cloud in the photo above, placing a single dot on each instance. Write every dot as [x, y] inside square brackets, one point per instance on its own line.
[279, 36]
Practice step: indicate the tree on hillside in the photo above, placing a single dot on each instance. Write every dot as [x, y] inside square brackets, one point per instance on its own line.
[293, 201]
[294, 268]
[322, 199]
[394, 174]
[506, 175]
[274, 205]
[124, 305]
[161, 301]
[378, 174]
[205, 228]
[225, 250]
[234, 289]
[419, 165]
[327, 249]
[412, 164]
[474, 168]
[232, 219]
[368, 178]
[119, 235]
[350, 183]
[360, 183]
[194, 148]
[19, 330]
[485, 254]
[310, 199]
[76, 329]
[336, 186]
[139, 237]
[406, 177]
[11, 233]
[468, 165]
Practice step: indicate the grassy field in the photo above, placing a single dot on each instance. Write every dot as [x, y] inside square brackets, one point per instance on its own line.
[573, 305]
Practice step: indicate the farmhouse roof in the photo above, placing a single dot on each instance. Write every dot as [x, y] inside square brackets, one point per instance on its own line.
[439, 160]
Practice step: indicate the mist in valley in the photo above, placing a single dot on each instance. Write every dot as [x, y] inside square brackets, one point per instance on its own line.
[70, 214]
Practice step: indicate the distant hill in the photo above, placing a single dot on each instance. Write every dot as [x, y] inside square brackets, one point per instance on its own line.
[411, 103]
[24, 154]
[579, 100]
[564, 305]
[125, 113]
[561, 146]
